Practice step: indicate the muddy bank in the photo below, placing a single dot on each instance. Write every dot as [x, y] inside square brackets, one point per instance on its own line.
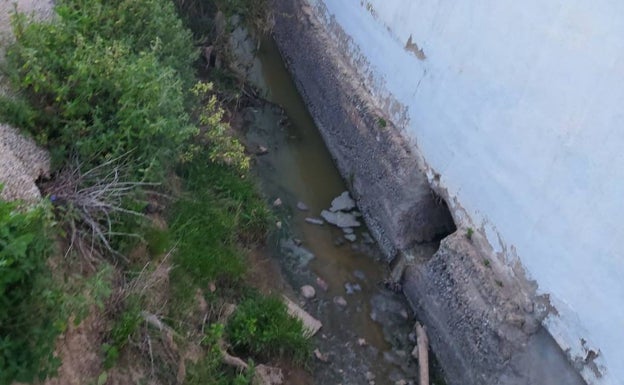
[484, 318]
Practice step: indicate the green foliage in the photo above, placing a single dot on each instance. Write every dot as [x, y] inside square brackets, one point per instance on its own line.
[262, 326]
[29, 320]
[469, 233]
[144, 25]
[210, 369]
[126, 324]
[216, 134]
[220, 210]
[99, 87]
[381, 122]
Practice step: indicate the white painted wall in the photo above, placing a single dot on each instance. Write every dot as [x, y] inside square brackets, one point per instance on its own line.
[519, 105]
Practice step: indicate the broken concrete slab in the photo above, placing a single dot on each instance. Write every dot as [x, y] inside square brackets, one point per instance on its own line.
[310, 324]
[343, 202]
[340, 219]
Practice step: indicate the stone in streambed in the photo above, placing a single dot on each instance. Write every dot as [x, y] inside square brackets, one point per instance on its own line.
[340, 219]
[308, 292]
[314, 221]
[342, 203]
[302, 206]
[340, 301]
[350, 237]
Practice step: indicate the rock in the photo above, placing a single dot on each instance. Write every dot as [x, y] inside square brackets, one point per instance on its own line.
[310, 324]
[361, 342]
[278, 224]
[351, 288]
[342, 203]
[347, 230]
[320, 356]
[314, 221]
[293, 251]
[297, 241]
[340, 301]
[400, 382]
[350, 237]
[322, 284]
[370, 376]
[302, 206]
[277, 202]
[359, 274]
[340, 219]
[308, 292]
[262, 150]
[339, 241]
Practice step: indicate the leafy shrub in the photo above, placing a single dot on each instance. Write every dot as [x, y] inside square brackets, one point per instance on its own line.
[100, 89]
[144, 25]
[262, 326]
[29, 322]
[216, 134]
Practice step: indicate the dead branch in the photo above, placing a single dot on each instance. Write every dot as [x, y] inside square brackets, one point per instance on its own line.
[423, 353]
[93, 201]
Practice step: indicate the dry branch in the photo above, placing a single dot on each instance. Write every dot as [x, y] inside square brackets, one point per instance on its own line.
[423, 354]
[93, 202]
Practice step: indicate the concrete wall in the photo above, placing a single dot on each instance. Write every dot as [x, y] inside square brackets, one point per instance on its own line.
[518, 106]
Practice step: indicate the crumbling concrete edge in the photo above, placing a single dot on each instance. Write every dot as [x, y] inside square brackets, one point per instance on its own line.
[348, 114]
[377, 163]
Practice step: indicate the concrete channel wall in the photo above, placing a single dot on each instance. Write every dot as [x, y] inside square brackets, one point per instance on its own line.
[513, 111]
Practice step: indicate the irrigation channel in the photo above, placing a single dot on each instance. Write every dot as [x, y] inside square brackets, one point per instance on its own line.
[367, 334]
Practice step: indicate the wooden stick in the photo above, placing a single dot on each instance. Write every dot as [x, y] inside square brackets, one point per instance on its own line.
[423, 353]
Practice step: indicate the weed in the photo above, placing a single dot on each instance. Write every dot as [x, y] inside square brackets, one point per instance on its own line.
[261, 326]
[29, 315]
[486, 262]
[381, 122]
[469, 233]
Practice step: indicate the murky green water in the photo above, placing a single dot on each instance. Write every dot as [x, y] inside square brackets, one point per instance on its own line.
[298, 168]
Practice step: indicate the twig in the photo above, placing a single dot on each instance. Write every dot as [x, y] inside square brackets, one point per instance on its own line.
[423, 354]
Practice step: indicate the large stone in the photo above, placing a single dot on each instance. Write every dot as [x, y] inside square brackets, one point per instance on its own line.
[342, 203]
[340, 219]
[310, 324]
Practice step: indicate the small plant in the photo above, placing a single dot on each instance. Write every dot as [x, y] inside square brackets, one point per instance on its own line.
[486, 262]
[262, 326]
[499, 283]
[29, 314]
[381, 122]
[469, 233]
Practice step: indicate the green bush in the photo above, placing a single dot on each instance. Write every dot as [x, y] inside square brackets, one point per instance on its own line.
[29, 320]
[99, 88]
[262, 326]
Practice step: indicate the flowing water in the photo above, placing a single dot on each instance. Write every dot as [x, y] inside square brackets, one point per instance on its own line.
[367, 340]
